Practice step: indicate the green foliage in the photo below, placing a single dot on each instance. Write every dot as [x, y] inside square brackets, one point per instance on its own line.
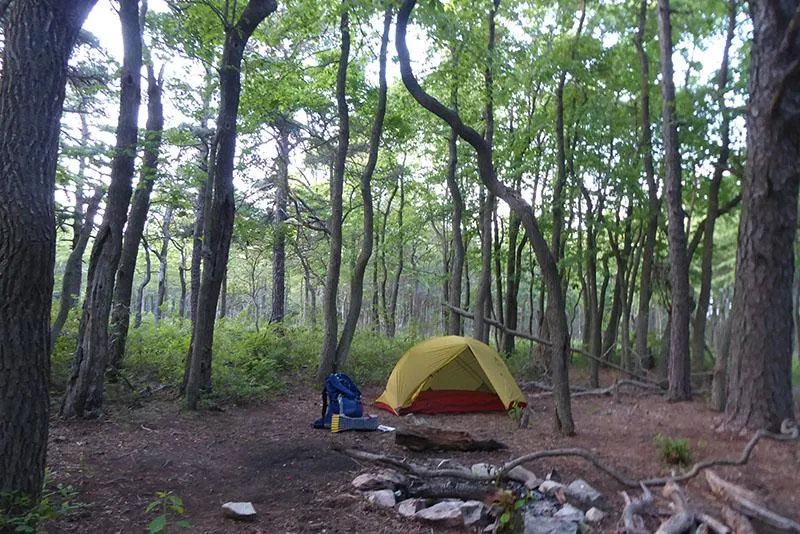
[170, 509]
[58, 501]
[373, 356]
[674, 451]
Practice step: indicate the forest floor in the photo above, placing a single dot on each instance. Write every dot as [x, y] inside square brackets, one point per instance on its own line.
[268, 454]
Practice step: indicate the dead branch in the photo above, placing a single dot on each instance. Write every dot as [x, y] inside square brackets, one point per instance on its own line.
[631, 520]
[415, 469]
[714, 524]
[749, 503]
[683, 519]
[613, 389]
[739, 523]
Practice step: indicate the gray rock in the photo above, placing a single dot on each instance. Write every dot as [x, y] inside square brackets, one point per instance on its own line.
[520, 474]
[544, 507]
[549, 487]
[484, 469]
[570, 513]
[581, 492]
[548, 525]
[472, 512]
[242, 511]
[377, 481]
[409, 507]
[446, 513]
[594, 515]
[384, 497]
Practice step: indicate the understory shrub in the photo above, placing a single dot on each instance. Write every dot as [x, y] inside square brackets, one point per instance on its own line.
[674, 451]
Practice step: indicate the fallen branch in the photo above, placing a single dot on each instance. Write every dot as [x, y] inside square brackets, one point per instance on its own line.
[739, 523]
[683, 519]
[613, 389]
[430, 438]
[631, 520]
[749, 503]
[714, 524]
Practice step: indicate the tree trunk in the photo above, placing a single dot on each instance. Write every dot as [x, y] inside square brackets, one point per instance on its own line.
[480, 328]
[139, 303]
[327, 359]
[121, 304]
[182, 277]
[547, 262]
[719, 378]
[360, 268]
[654, 204]
[73, 269]
[219, 225]
[391, 323]
[513, 277]
[279, 217]
[85, 395]
[161, 294]
[454, 324]
[760, 390]
[703, 299]
[680, 385]
[38, 39]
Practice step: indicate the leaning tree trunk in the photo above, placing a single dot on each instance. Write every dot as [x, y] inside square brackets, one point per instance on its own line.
[704, 297]
[139, 301]
[85, 395]
[679, 372]
[38, 39]
[556, 302]
[123, 288]
[391, 322]
[279, 220]
[654, 204]
[760, 390]
[161, 292]
[360, 268]
[219, 225]
[327, 359]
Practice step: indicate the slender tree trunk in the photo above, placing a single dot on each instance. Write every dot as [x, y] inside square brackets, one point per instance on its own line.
[161, 294]
[182, 277]
[37, 40]
[219, 225]
[279, 217]
[719, 378]
[391, 323]
[384, 304]
[680, 385]
[454, 323]
[559, 335]
[140, 206]
[760, 389]
[327, 360]
[704, 297]
[513, 273]
[85, 394]
[73, 269]
[360, 268]
[148, 270]
[480, 326]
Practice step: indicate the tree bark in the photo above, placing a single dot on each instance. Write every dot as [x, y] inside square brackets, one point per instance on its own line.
[148, 271]
[760, 392]
[140, 206]
[391, 322]
[480, 328]
[279, 217]
[161, 293]
[360, 268]
[654, 204]
[85, 390]
[454, 323]
[547, 262]
[219, 225]
[680, 385]
[704, 297]
[327, 359]
[38, 39]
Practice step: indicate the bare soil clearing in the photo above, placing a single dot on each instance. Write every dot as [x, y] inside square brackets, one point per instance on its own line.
[269, 454]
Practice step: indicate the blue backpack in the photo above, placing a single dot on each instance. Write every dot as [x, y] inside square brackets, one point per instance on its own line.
[340, 395]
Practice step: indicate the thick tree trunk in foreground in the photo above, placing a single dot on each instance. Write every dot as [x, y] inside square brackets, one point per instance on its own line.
[556, 305]
[123, 288]
[760, 392]
[680, 385]
[38, 39]
[654, 204]
[219, 224]
[85, 391]
[327, 359]
[360, 268]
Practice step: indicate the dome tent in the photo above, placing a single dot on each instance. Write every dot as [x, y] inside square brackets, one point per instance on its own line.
[450, 374]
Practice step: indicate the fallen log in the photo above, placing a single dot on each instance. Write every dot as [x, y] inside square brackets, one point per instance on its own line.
[749, 503]
[714, 524]
[631, 519]
[683, 519]
[451, 489]
[738, 523]
[429, 438]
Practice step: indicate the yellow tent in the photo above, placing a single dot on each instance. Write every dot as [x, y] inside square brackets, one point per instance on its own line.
[447, 375]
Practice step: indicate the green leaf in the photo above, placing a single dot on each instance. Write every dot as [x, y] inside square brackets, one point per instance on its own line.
[152, 506]
[183, 524]
[157, 525]
[505, 518]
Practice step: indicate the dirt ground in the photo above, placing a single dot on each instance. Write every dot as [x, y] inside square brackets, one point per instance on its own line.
[269, 454]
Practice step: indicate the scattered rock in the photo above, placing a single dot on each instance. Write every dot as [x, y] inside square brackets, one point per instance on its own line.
[594, 515]
[484, 469]
[472, 512]
[241, 511]
[581, 492]
[548, 525]
[409, 507]
[549, 487]
[570, 513]
[520, 474]
[384, 497]
[542, 507]
[553, 475]
[378, 481]
[446, 513]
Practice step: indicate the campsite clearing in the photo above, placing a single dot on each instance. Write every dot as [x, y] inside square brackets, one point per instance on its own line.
[269, 454]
